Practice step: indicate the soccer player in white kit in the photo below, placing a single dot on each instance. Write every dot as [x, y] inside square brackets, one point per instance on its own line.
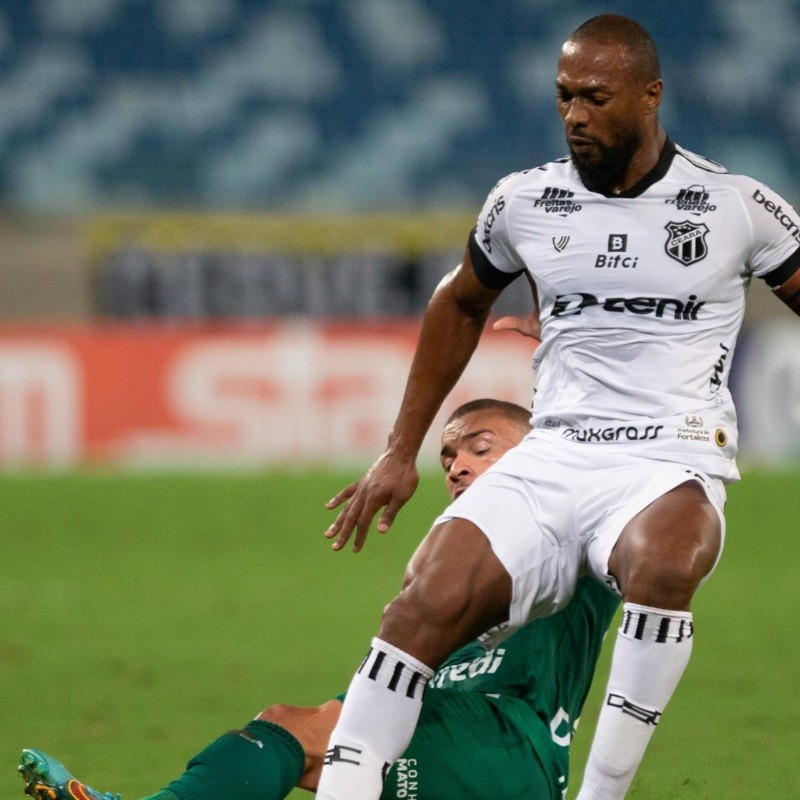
[641, 253]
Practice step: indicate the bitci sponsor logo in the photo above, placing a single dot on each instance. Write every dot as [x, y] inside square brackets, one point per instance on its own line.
[614, 258]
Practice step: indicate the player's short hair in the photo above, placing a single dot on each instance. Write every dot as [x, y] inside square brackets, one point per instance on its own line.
[516, 414]
[616, 29]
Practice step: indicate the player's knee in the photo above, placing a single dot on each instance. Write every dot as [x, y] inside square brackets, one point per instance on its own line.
[280, 714]
[661, 563]
[669, 585]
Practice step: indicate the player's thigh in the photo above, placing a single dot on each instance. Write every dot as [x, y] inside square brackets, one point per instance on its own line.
[656, 516]
[462, 749]
[456, 588]
[528, 519]
[667, 549]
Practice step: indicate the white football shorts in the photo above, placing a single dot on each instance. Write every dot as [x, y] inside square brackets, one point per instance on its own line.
[553, 511]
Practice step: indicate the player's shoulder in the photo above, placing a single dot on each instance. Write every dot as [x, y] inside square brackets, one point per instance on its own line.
[559, 171]
[690, 161]
[705, 171]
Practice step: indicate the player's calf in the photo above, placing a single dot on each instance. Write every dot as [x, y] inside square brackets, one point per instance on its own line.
[312, 727]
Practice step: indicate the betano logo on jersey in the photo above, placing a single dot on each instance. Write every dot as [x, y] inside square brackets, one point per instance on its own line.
[570, 305]
[491, 218]
[557, 201]
[693, 199]
[780, 214]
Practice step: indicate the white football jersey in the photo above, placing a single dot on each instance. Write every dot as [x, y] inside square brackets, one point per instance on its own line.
[641, 298]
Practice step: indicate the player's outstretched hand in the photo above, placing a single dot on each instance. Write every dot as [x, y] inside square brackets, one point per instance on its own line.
[527, 326]
[388, 484]
[531, 325]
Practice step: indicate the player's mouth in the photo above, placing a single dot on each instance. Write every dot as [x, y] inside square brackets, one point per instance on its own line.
[459, 491]
[580, 143]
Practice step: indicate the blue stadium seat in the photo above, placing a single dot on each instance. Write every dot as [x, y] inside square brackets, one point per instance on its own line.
[355, 104]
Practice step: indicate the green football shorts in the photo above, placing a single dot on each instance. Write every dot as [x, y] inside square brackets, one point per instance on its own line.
[470, 747]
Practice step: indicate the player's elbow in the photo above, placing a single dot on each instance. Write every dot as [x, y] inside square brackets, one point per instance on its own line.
[464, 295]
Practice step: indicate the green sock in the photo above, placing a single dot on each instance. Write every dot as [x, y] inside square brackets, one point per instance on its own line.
[261, 762]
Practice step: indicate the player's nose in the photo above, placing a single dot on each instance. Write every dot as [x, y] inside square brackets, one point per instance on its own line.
[575, 116]
[461, 470]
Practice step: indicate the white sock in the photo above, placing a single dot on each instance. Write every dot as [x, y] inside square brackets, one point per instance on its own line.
[651, 652]
[377, 722]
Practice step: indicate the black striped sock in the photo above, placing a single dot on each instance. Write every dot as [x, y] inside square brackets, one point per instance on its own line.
[656, 625]
[395, 670]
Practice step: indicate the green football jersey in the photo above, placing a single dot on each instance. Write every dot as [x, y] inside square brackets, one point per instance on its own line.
[539, 677]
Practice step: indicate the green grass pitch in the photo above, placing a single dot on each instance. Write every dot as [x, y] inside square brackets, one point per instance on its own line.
[143, 616]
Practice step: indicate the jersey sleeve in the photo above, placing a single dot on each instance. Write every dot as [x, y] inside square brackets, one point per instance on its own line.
[775, 255]
[494, 259]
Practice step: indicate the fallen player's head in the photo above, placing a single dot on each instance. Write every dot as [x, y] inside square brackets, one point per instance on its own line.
[475, 436]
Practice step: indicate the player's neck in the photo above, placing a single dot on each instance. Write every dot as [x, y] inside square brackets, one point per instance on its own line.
[642, 162]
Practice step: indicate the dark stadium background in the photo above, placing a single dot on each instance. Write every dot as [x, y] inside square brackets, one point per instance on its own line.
[219, 220]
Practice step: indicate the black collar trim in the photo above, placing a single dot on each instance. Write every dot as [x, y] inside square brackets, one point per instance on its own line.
[656, 174]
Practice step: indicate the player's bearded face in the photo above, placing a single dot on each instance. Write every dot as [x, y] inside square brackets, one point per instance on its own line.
[602, 165]
[605, 110]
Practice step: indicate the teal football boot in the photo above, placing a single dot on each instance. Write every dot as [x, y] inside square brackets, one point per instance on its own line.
[48, 779]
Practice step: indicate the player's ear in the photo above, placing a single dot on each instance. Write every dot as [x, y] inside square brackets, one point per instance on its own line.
[653, 93]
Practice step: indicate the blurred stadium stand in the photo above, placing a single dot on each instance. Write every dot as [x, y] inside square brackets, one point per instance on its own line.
[356, 104]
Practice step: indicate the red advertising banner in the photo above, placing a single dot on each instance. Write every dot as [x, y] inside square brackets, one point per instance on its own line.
[232, 395]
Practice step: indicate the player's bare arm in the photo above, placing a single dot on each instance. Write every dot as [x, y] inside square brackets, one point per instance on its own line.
[789, 292]
[451, 328]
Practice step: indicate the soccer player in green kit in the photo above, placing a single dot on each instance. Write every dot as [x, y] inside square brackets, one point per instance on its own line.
[495, 723]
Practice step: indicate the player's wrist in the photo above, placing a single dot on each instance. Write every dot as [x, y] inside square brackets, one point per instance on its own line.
[403, 446]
